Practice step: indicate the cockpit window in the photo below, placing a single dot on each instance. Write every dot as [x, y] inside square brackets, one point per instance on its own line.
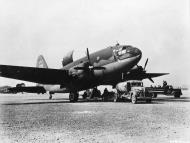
[124, 52]
[121, 51]
[124, 47]
[139, 84]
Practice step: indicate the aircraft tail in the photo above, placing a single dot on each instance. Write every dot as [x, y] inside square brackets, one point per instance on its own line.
[41, 63]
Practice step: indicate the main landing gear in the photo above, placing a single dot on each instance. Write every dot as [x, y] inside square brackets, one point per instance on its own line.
[73, 96]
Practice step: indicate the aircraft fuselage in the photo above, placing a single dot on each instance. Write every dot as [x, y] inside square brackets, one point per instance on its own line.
[116, 60]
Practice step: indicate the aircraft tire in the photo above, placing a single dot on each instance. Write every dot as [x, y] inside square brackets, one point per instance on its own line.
[76, 97]
[154, 95]
[176, 95]
[73, 97]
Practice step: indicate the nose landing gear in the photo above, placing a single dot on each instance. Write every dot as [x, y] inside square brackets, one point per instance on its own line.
[73, 96]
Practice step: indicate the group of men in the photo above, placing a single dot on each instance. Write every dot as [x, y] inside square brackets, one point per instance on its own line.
[95, 93]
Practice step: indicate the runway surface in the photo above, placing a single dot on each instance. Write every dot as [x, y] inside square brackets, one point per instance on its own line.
[34, 118]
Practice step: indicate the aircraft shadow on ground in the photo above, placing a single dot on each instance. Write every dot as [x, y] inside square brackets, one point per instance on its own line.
[52, 101]
[66, 100]
[31, 103]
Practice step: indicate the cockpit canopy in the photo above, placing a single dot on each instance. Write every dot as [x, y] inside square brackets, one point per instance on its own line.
[126, 51]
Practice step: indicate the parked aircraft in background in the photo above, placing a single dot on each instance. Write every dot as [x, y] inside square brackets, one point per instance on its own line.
[5, 89]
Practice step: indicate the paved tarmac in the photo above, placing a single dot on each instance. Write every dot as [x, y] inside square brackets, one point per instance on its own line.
[34, 118]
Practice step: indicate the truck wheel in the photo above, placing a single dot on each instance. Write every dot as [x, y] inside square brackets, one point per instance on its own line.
[116, 99]
[155, 95]
[134, 99]
[176, 94]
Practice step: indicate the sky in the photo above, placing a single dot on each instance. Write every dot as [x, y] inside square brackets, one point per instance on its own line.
[160, 28]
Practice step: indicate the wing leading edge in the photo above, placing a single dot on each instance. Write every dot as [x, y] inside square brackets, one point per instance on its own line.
[152, 75]
[37, 75]
[141, 76]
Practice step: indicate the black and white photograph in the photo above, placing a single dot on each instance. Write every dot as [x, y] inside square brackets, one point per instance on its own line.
[94, 71]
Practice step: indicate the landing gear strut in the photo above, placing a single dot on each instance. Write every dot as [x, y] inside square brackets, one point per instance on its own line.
[73, 96]
[50, 96]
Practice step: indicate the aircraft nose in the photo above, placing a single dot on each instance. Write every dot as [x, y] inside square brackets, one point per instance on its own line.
[137, 52]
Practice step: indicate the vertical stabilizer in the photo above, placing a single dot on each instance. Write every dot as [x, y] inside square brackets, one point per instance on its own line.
[41, 63]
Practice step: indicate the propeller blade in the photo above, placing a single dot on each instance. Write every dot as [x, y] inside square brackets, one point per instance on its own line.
[88, 55]
[88, 65]
[151, 79]
[145, 63]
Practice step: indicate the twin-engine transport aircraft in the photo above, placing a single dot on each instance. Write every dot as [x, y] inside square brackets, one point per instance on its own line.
[105, 67]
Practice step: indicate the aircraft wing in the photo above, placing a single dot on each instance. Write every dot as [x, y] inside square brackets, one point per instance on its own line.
[151, 75]
[143, 75]
[37, 75]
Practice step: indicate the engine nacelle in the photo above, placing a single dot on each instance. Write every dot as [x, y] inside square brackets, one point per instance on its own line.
[67, 59]
[79, 73]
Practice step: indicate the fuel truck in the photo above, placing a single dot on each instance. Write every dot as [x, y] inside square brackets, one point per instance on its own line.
[132, 90]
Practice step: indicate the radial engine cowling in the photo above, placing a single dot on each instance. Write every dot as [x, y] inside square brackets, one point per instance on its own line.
[80, 73]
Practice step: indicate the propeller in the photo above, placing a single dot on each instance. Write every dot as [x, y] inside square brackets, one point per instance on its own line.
[88, 65]
[149, 77]
[142, 69]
